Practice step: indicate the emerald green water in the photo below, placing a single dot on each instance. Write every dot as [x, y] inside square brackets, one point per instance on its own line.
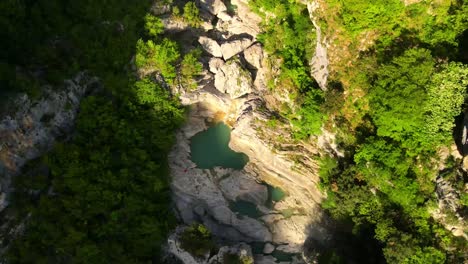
[275, 194]
[210, 148]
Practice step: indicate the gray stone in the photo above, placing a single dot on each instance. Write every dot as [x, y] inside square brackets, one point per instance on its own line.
[232, 48]
[213, 6]
[215, 64]
[254, 55]
[319, 62]
[211, 46]
[233, 79]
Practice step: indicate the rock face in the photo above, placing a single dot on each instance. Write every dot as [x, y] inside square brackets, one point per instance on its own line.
[235, 93]
[232, 79]
[449, 204]
[319, 63]
[33, 128]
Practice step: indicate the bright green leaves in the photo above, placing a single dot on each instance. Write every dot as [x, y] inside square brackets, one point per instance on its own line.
[398, 96]
[190, 68]
[191, 14]
[309, 118]
[153, 25]
[158, 56]
[362, 15]
[415, 105]
[445, 96]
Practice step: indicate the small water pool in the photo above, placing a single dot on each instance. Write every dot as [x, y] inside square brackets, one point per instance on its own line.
[210, 148]
[245, 208]
[275, 194]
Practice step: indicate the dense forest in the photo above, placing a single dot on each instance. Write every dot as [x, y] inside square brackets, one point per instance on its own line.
[110, 182]
[395, 90]
[393, 105]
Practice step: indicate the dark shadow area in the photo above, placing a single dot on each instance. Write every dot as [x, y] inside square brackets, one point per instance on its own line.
[463, 47]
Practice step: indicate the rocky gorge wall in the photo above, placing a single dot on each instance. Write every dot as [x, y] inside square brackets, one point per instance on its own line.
[233, 90]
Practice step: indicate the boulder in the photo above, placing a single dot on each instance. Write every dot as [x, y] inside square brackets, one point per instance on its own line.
[215, 64]
[269, 248]
[234, 80]
[224, 16]
[232, 48]
[211, 46]
[254, 55]
[213, 6]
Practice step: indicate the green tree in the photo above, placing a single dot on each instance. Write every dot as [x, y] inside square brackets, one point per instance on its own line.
[446, 94]
[161, 57]
[153, 25]
[191, 14]
[190, 68]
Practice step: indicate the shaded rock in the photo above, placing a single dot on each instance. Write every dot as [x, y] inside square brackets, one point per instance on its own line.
[261, 259]
[241, 187]
[232, 48]
[234, 80]
[174, 247]
[159, 8]
[226, 254]
[210, 46]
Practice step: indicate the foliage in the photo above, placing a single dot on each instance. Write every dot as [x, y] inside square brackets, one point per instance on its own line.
[310, 118]
[162, 57]
[110, 188]
[197, 240]
[104, 196]
[190, 68]
[290, 35]
[153, 25]
[191, 14]
[445, 97]
[410, 91]
[46, 40]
